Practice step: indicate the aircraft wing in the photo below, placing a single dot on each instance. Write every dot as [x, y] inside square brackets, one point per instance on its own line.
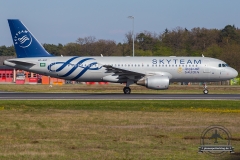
[133, 75]
[120, 71]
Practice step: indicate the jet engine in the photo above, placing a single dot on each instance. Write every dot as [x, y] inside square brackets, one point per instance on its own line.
[155, 82]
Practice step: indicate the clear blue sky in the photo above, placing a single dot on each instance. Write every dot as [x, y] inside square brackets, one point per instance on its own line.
[56, 21]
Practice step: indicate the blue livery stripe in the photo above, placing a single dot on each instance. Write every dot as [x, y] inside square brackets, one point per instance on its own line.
[84, 70]
[65, 64]
[75, 67]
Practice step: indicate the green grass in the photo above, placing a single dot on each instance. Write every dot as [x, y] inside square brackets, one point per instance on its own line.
[103, 129]
[121, 105]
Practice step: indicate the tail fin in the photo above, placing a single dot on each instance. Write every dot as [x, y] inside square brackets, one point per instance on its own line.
[26, 45]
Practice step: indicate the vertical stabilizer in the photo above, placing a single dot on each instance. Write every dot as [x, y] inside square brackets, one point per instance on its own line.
[26, 45]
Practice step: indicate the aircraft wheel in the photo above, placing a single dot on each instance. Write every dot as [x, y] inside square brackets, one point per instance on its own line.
[126, 90]
[205, 91]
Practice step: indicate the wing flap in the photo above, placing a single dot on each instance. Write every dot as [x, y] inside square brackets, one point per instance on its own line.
[120, 71]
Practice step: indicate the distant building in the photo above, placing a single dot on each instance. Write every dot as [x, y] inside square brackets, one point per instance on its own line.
[6, 73]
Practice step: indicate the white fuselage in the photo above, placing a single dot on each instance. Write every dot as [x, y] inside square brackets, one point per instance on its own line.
[178, 69]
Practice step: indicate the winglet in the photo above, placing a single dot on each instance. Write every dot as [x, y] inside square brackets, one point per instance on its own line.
[26, 45]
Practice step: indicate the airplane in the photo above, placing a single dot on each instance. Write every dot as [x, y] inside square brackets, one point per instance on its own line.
[151, 72]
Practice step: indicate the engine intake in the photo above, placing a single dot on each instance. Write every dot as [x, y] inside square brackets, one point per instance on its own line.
[155, 82]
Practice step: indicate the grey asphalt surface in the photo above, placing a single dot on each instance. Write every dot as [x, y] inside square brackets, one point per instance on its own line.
[115, 96]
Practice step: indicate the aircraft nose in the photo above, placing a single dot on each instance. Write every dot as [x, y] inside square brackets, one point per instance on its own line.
[234, 73]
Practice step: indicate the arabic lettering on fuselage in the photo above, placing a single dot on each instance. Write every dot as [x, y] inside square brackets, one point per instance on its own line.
[176, 61]
[192, 70]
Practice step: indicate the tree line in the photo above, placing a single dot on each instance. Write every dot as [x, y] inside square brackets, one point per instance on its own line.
[223, 44]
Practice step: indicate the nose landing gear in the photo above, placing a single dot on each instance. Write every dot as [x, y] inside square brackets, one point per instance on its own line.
[205, 90]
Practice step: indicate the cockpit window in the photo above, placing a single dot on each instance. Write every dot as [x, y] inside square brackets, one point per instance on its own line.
[223, 65]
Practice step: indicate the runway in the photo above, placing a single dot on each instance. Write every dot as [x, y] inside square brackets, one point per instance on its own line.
[114, 96]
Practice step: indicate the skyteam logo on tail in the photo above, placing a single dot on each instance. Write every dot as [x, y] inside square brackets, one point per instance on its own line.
[23, 39]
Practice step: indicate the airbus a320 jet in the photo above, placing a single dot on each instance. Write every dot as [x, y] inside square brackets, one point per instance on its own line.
[152, 72]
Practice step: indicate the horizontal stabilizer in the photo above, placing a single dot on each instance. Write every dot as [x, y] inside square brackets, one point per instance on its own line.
[22, 63]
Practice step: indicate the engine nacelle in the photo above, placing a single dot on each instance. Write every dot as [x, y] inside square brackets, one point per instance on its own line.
[155, 82]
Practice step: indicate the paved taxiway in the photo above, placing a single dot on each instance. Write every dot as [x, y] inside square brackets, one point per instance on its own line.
[117, 96]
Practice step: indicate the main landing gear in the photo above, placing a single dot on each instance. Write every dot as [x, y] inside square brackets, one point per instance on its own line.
[205, 90]
[126, 89]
